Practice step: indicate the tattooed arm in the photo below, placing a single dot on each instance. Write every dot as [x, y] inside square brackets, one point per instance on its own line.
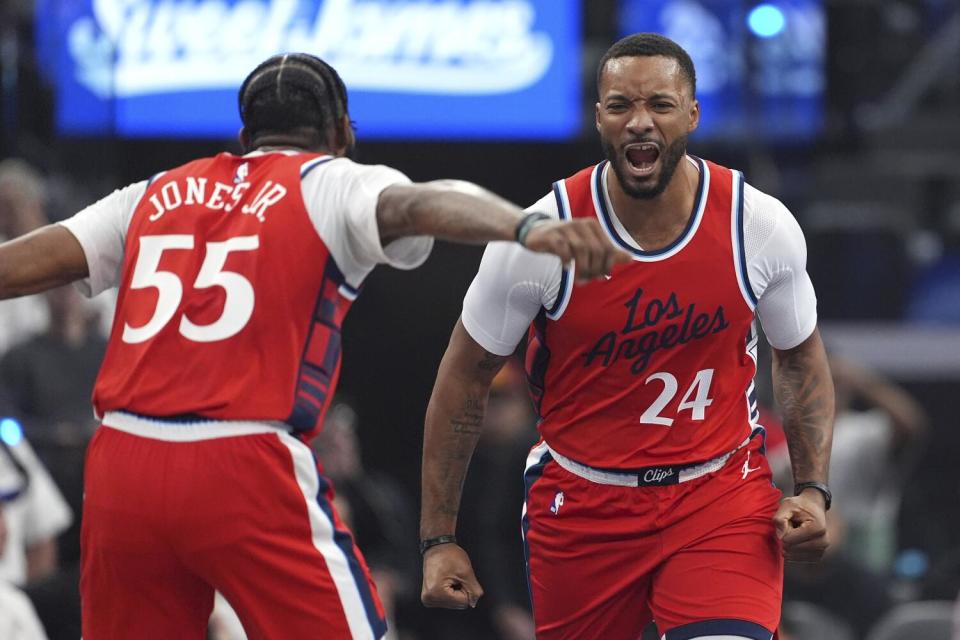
[453, 426]
[804, 389]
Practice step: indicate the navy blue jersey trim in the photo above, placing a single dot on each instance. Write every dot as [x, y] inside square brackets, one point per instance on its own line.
[612, 231]
[315, 163]
[540, 361]
[304, 414]
[741, 628]
[742, 245]
[564, 276]
[530, 477]
[179, 418]
[344, 541]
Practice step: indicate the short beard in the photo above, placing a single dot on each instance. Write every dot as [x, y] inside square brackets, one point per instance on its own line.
[671, 157]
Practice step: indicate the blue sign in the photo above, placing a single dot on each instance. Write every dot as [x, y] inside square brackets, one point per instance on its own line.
[760, 68]
[469, 69]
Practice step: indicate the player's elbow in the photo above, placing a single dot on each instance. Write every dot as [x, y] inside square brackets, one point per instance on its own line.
[399, 211]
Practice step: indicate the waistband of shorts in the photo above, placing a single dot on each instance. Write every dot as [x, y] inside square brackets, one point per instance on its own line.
[651, 476]
[187, 428]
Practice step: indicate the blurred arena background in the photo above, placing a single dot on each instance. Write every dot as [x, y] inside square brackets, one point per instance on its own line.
[847, 110]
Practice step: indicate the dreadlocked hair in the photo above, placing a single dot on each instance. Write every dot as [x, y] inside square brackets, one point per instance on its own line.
[291, 91]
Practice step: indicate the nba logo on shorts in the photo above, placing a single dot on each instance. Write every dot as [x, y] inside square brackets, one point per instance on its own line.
[557, 503]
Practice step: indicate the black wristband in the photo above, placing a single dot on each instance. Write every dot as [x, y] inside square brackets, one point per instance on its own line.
[526, 224]
[433, 542]
[819, 486]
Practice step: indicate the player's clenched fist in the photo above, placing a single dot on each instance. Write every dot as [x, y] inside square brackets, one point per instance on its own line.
[448, 578]
[802, 528]
[581, 240]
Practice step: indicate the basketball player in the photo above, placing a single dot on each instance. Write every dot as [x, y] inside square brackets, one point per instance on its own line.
[235, 274]
[649, 496]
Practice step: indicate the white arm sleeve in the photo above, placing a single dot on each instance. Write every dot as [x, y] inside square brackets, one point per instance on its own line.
[341, 198]
[509, 290]
[101, 230]
[776, 255]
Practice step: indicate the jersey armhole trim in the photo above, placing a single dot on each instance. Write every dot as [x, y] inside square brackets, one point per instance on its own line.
[565, 290]
[152, 179]
[739, 245]
[348, 292]
[313, 164]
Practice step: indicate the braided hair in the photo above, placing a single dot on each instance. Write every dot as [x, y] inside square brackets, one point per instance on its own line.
[293, 91]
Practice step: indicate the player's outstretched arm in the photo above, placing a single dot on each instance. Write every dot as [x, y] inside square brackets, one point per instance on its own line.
[463, 212]
[804, 389]
[453, 426]
[43, 259]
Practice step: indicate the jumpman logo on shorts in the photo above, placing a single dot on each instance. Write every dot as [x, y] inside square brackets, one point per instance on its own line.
[746, 467]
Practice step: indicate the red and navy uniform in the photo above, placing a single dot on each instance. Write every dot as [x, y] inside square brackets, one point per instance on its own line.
[650, 373]
[612, 371]
[283, 362]
[223, 359]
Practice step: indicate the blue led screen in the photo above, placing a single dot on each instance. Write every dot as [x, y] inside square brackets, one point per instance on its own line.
[431, 69]
[760, 65]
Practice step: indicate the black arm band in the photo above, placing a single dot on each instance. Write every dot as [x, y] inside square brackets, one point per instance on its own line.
[819, 486]
[433, 542]
[526, 224]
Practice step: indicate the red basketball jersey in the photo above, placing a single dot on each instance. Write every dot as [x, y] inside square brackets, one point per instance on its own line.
[653, 366]
[230, 305]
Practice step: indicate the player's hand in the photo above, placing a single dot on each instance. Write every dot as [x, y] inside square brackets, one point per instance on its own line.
[448, 578]
[802, 527]
[581, 240]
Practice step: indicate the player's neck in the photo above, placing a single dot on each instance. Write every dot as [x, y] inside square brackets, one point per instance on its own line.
[656, 222]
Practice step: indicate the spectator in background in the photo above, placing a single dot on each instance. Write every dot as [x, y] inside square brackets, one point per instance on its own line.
[876, 437]
[18, 620]
[877, 430]
[49, 379]
[853, 594]
[380, 515]
[21, 211]
[34, 512]
[50, 376]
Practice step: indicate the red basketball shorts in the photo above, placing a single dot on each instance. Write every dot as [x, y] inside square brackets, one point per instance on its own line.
[165, 523]
[700, 558]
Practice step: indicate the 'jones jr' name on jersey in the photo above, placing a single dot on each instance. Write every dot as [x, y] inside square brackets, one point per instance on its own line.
[218, 196]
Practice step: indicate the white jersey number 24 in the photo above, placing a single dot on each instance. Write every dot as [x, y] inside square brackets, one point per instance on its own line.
[696, 399]
[237, 308]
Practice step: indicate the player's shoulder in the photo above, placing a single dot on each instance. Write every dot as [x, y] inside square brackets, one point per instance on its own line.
[766, 216]
[758, 204]
[769, 225]
[343, 167]
[547, 204]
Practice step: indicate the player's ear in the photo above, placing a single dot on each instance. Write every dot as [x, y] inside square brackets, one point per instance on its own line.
[244, 137]
[694, 116]
[344, 137]
[596, 116]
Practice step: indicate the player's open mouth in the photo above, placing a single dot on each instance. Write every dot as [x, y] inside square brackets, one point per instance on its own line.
[642, 157]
